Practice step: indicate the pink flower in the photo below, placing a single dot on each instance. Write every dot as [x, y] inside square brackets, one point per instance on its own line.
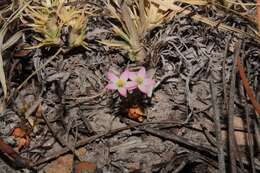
[143, 83]
[120, 83]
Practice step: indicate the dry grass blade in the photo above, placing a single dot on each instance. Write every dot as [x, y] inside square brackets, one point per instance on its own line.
[194, 2]
[2, 73]
[168, 4]
[11, 41]
[50, 18]
[3, 31]
[42, 66]
[136, 18]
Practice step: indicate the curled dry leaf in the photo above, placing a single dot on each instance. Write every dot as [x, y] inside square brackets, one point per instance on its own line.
[21, 138]
[136, 113]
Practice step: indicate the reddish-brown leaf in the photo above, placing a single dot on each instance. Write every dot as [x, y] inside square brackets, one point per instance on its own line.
[136, 113]
[85, 166]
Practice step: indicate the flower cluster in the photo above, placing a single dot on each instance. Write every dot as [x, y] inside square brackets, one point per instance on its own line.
[129, 81]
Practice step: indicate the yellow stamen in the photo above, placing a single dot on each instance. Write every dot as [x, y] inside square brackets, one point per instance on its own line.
[120, 83]
[139, 80]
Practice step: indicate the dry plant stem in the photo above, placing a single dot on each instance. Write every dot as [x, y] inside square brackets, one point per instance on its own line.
[231, 136]
[203, 149]
[224, 75]
[91, 139]
[180, 167]
[243, 15]
[257, 135]
[221, 153]
[249, 134]
[203, 19]
[85, 122]
[87, 98]
[258, 14]
[208, 136]
[52, 130]
[18, 161]
[250, 139]
[37, 70]
[247, 87]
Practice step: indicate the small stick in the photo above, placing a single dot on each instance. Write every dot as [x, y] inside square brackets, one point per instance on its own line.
[204, 149]
[224, 75]
[37, 70]
[221, 154]
[247, 87]
[89, 140]
[231, 136]
[258, 14]
[18, 161]
[250, 139]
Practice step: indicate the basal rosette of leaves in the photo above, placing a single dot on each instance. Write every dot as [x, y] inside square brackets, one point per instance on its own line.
[50, 18]
[136, 18]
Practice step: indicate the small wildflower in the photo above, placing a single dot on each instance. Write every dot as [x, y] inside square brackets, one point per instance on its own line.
[143, 83]
[120, 83]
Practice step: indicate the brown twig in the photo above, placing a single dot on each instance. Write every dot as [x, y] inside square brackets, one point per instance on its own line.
[247, 87]
[204, 149]
[258, 14]
[93, 138]
[18, 161]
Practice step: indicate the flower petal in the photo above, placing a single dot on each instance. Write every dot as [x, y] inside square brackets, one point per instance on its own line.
[143, 88]
[141, 72]
[111, 86]
[149, 82]
[131, 85]
[150, 92]
[122, 91]
[132, 75]
[125, 75]
[111, 76]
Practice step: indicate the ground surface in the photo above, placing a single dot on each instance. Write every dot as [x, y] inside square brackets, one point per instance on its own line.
[64, 103]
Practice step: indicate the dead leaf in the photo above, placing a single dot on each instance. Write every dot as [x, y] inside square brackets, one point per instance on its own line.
[61, 165]
[85, 166]
[136, 113]
[22, 139]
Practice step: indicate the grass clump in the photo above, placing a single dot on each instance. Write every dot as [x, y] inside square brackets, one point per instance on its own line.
[51, 18]
[135, 19]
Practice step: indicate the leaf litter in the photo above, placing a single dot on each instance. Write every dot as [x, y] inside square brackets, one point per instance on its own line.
[57, 100]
